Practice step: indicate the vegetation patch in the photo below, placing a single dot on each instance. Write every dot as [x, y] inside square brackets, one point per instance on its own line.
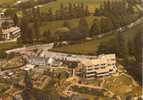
[90, 47]
[10, 45]
[7, 1]
[121, 85]
[56, 5]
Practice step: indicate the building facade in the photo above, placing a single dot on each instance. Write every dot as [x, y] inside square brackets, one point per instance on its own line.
[103, 65]
[10, 33]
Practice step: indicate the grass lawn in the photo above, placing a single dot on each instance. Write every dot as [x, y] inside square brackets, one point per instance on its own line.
[10, 45]
[90, 47]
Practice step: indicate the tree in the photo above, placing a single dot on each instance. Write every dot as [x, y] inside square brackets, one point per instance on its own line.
[131, 47]
[66, 24]
[122, 49]
[138, 48]
[28, 81]
[107, 47]
[3, 54]
[87, 13]
[62, 11]
[28, 87]
[36, 29]
[83, 27]
[47, 36]
[15, 19]
[106, 25]
[71, 10]
[95, 28]
[10, 12]
[50, 14]
[26, 31]
[36, 19]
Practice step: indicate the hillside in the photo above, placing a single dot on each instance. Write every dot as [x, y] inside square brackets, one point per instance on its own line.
[90, 47]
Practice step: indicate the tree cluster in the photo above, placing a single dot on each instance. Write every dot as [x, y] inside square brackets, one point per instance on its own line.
[119, 12]
[130, 51]
[70, 11]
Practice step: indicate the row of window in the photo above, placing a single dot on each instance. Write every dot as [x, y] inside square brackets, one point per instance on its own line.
[102, 66]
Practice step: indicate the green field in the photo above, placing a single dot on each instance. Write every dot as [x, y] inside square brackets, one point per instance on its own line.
[7, 1]
[53, 25]
[90, 47]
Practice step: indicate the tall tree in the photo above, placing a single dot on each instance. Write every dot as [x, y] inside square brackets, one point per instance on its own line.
[15, 19]
[50, 14]
[83, 27]
[28, 87]
[62, 11]
[138, 47]
[106, 25]
[47, 36]
[87, 13]
[122, 49]
[36, 19]
[26, 31]
[28, 81]
[66, 24]
[95, 28]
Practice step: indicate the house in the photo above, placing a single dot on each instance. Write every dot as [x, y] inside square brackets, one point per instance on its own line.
[103, 65]
[11, 33]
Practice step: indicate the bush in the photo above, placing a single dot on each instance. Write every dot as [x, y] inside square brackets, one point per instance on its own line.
[2, 54]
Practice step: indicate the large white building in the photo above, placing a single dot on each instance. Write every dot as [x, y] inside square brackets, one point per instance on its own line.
[103, 65]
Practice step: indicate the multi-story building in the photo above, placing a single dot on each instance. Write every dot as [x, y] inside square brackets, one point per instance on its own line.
[10, 33]
[103, 65]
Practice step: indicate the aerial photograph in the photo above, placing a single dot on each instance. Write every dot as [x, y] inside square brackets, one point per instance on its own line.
[71, 49]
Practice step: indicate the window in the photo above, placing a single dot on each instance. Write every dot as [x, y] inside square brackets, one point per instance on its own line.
[96, 68]
[90, 69]
[102, 67]
[90, 72]
[111, 70]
